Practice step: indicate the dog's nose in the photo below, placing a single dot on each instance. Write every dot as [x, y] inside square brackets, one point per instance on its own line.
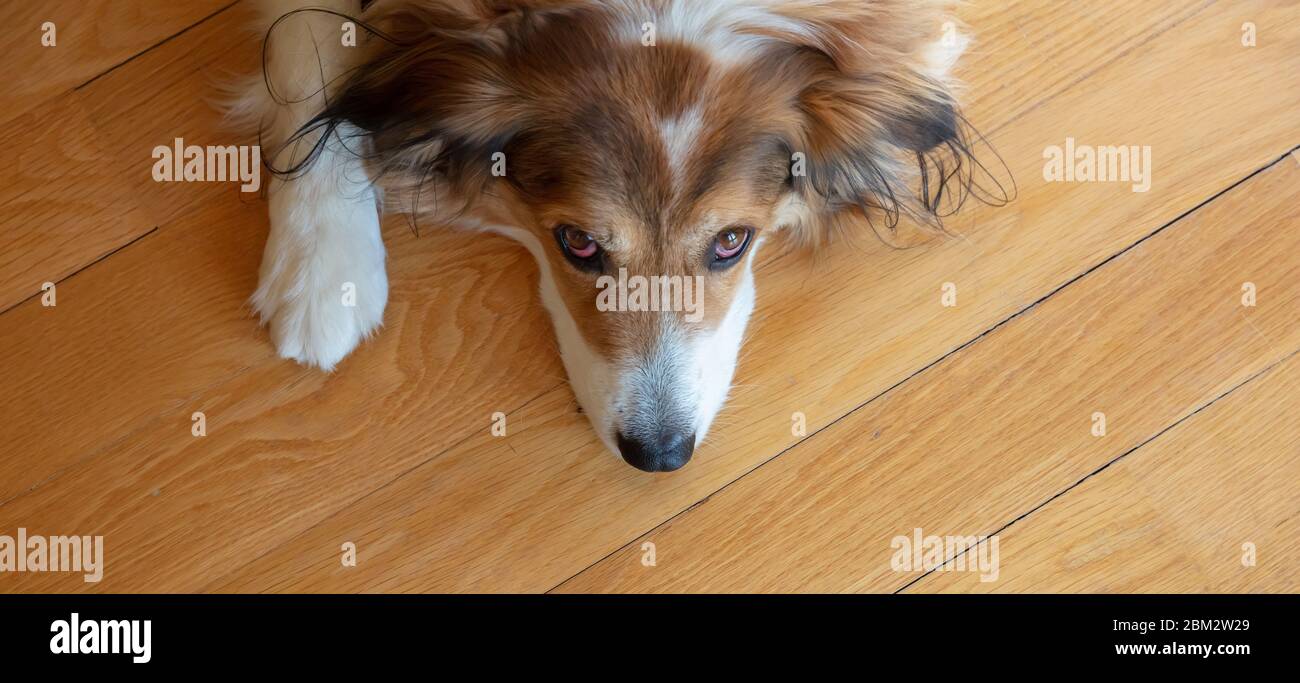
[666, 453]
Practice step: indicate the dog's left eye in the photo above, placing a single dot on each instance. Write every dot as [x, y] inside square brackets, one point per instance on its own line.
[577, 243]
[580, 248]
[729, 244]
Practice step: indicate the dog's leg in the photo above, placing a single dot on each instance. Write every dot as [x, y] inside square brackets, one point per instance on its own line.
[322, 286]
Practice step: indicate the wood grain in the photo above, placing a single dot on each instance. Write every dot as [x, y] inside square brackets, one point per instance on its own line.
[67, 196]
[91, 37]
[177, 91]
[1069, 43]
[1210, 506]
[136, 337]
[47, 231]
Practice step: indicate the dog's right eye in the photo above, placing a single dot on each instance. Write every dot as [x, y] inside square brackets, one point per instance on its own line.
[579, 246]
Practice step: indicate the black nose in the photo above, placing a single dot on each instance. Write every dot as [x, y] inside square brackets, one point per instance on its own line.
[666, 453]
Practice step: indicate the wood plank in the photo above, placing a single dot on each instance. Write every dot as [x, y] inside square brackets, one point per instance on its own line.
[1174, 516]
[994, 66]
[423, 533]
[187, 79]
[48, 232]
[968, 445]
[91, 37]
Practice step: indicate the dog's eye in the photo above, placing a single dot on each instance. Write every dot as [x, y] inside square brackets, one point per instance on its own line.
[729, 244]
[577, 243]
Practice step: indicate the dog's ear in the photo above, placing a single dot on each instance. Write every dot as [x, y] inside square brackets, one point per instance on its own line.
[872, 141]
[433, 95]
[880, 133]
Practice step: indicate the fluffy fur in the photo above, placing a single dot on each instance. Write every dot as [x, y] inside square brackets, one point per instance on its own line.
[652, 125]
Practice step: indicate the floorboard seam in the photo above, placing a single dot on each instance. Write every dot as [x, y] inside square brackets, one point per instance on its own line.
[1101, 469]
[153, 47]
[97, 259]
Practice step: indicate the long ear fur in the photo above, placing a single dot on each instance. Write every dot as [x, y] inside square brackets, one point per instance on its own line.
[883, 134]
[434, 99]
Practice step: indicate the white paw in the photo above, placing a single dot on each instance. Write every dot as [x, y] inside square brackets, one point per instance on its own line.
[322, 287]
[318, 313]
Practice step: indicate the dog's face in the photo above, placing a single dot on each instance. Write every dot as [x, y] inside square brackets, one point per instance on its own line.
[658, 168]
[643, 150]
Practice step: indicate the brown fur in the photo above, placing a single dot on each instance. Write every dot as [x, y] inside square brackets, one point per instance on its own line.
[576, 104]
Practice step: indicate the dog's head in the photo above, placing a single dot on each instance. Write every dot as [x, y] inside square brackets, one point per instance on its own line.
[643, 150]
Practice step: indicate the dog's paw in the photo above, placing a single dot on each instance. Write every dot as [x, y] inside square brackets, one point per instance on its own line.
[322, 287]
[317, 320]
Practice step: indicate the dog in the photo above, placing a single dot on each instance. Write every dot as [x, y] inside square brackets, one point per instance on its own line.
[631, 138]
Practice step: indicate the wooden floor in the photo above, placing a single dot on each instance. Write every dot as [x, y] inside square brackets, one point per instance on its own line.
[978, 419]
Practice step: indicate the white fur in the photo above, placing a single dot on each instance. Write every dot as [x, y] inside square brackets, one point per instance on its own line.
[714, 355]
[656, 392]
[590, 376]
[723, 28]
[684, 381]
[680, 135]
[325, 240]
[941, 56]
[324, 246]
